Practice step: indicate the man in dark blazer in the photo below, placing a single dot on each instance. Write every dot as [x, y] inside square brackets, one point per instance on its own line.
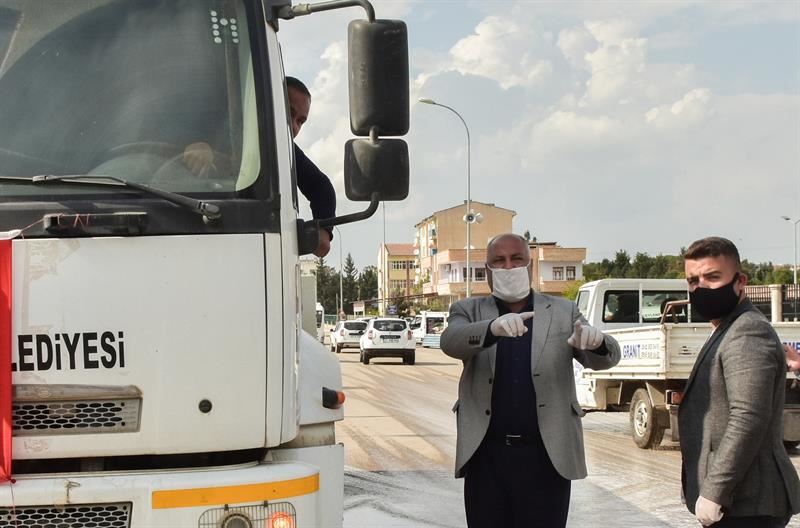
[311, 181]
[735, 469]
[520, 441]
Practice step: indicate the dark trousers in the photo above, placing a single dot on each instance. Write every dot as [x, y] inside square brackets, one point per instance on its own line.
[514, 487]
[751, 522]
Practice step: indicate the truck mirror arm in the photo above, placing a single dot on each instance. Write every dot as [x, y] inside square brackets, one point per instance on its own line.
[288, 12]
[308, 230]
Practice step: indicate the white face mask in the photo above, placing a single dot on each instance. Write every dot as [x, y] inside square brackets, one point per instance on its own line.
[511, 285]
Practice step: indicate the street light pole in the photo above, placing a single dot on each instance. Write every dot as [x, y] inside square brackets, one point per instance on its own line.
[341, 272]
[794, 232]
[468, 217]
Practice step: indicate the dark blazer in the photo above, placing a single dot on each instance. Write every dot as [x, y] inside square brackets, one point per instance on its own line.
[552, 372]
[316, 187]
[731, 421]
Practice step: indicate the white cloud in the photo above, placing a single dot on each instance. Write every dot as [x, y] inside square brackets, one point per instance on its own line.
[689, 110]
[575, 43]
[504, 50]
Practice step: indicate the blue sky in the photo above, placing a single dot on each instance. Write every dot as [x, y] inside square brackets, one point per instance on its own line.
[606, 125]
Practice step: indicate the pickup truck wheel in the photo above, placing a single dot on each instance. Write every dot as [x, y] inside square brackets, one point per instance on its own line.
[645, 429]
[409, 358]
[338, 349]
[364, 357]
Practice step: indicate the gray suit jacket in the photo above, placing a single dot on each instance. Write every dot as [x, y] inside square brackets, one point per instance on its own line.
[552, 372]
[731, 421]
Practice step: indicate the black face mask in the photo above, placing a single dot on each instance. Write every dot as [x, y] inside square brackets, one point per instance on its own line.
[715, 303]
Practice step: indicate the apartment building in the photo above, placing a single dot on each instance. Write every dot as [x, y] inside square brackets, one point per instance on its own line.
[445, 232]
[397, 265]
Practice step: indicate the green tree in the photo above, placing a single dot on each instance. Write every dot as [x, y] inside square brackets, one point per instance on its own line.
[327, 286]
[368, 283]
[571, 292]
[349, 284]
[398, 299]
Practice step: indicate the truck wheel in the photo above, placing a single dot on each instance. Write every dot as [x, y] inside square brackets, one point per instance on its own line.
[338, 349]
[409, 358]
[365, 357]
[645, 429]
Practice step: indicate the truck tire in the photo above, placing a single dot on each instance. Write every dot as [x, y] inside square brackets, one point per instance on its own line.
[364, 357]
[646, 431]
[338, 349]
[409, 358]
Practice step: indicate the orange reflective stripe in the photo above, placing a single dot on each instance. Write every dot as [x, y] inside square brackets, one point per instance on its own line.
[186, 498]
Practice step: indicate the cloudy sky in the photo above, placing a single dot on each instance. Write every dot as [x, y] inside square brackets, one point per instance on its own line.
[636, 125]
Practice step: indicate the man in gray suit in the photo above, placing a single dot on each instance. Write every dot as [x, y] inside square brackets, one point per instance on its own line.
[735, 469]
[520, 440]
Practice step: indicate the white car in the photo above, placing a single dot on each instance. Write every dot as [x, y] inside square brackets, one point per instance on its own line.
[388, 337]
[347, 334]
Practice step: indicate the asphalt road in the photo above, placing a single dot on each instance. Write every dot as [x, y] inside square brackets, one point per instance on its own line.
[399, 437]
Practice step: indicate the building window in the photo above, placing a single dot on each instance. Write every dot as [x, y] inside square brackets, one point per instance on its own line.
[480, 274]
[570, 272]
[397, 285]
[398, 264]
[558, 273]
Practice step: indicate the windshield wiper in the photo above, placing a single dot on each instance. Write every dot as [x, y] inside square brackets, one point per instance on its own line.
[207, 210]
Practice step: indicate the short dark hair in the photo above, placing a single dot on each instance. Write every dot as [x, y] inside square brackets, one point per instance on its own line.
[713, 247]
[297, 84]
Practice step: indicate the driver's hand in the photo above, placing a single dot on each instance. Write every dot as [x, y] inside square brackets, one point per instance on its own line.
[199, 158]
[324, 245]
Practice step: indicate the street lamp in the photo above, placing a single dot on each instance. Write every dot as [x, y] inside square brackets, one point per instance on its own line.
[794, 222]
[469, 217]
[341, 272]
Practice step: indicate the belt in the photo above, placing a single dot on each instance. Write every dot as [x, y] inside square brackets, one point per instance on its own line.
[515, 440]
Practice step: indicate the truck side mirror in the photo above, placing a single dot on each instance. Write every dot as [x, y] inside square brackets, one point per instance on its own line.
[378, 78]
[376, 168]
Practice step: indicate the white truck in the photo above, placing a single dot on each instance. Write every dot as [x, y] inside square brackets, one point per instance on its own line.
[428, 323]
[660, 339]
[160, 373]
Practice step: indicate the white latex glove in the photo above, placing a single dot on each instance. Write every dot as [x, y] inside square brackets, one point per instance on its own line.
[707, 512]
[585, 337]
[510, 324]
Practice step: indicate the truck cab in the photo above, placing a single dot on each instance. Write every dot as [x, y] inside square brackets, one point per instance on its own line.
[623, 303]
[150, 239]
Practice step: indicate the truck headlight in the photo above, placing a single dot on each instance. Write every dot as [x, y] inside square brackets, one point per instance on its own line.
[266, 515]
[236, 520]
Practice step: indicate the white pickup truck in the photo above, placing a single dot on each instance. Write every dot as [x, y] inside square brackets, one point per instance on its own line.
[657, 357]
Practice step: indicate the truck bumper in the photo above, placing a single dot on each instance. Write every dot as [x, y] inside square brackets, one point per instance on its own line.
[181, 498]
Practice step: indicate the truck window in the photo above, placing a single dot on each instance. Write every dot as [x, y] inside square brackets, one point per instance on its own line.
[621, 307]
[154, 78]
[583, 302]
[654, 303]
[434, 325]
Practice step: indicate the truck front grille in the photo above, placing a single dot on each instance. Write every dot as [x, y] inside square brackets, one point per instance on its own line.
[47, 410]
[75, 417]
[73, 515]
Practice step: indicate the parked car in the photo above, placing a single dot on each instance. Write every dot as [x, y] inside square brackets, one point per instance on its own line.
[388, 337]
[347, 334]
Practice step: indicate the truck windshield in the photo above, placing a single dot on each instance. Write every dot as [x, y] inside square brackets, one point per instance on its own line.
[159, 92]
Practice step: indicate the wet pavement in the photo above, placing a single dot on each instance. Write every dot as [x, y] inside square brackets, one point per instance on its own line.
[399, 437]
